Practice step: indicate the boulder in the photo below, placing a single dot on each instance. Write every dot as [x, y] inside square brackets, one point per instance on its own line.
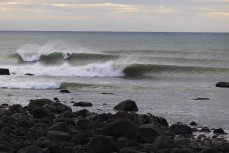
[182, 150]
[82, 113]
[129, 150]
[163, 142]
[31, 149]
[205, 129]
[85, 124]
[57, 108]
[223, 147]
[60, 126]
[127, 105]
[180, 128]
[33, 104]
[201, 99]
[121, 128]
[147, 133]
[81, 139]
[83, 104]
[222, 84]
[4, 71]
[42, 112]
[59, 135]
[102, 144]
[219, 131]
[64, 91]
[211, 150]
[16, 108]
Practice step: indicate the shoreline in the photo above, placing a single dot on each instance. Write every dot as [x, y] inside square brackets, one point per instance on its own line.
[47, 126]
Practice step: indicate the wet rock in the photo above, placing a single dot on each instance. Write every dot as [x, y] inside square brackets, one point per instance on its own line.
[163, 142]
[201, 99]
[4, 71]
[121, 114]
[60, 126]
[59, 136]
[17, 108]
[82, 113]
[83, 104]
[205, 129]
[128, 105]
[5, 147]
[222, 84]
[180, 128]
[33, 104]
[182, 150]
[31, 149]
[102, 144]
[193, 123]
[81, 138]
[29, 74]
[107, 93]
[56, 99]
[219, 131]
[212, 150]
[64, 91]
[57, 108]
[4, 106]
[85, 124]
[42, 112]
[129, 150]
[121, 128]
[223, 147]
[147, 133]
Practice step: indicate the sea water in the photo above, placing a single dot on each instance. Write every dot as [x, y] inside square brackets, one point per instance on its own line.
[162, 72]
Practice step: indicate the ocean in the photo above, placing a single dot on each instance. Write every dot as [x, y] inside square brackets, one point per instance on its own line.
[162, 72]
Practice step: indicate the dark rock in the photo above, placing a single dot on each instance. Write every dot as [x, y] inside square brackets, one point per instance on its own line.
[201, 99]
[222, 84]
[85, 124]
[205, 129]
[4, 71]
[16, 108]
[219, 131]
[81, 139]
[83, 104]
[59, 136]
[44, 142]
[33, 104]
[193, 123]
[57, 108]
[182, 150]
[107, 93]
[42, 112]
[29, 74]
[64, 91]
[163, 142]
[56, 99]
[180, 128]
[5, 147]
[147, 133]
[102, 144]
[211, 150]
[61, 126]
[121, 127]
[4, 106]
[223, 147]
[82, 113]
[121, 114]
[128, 105]
[129, 150]
[31, 149]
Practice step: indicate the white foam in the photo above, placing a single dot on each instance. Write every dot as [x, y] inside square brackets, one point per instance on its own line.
[33, 52]
[29, 85]
[107, 69]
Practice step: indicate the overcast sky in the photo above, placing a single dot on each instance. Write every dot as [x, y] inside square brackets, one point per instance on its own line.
[115, 15]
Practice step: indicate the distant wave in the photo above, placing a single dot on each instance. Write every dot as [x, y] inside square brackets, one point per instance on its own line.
[151, 70]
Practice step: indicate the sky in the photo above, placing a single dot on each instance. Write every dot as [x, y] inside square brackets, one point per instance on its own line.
[115, 15]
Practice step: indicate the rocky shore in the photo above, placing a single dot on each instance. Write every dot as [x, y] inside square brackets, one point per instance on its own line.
[46, 126]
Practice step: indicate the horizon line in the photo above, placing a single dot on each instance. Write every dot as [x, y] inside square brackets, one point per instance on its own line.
[110, 31]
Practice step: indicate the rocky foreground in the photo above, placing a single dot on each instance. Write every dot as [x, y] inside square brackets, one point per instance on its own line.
[45, 126]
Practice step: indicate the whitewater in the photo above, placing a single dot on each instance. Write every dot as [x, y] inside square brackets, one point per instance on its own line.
[162, 72]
